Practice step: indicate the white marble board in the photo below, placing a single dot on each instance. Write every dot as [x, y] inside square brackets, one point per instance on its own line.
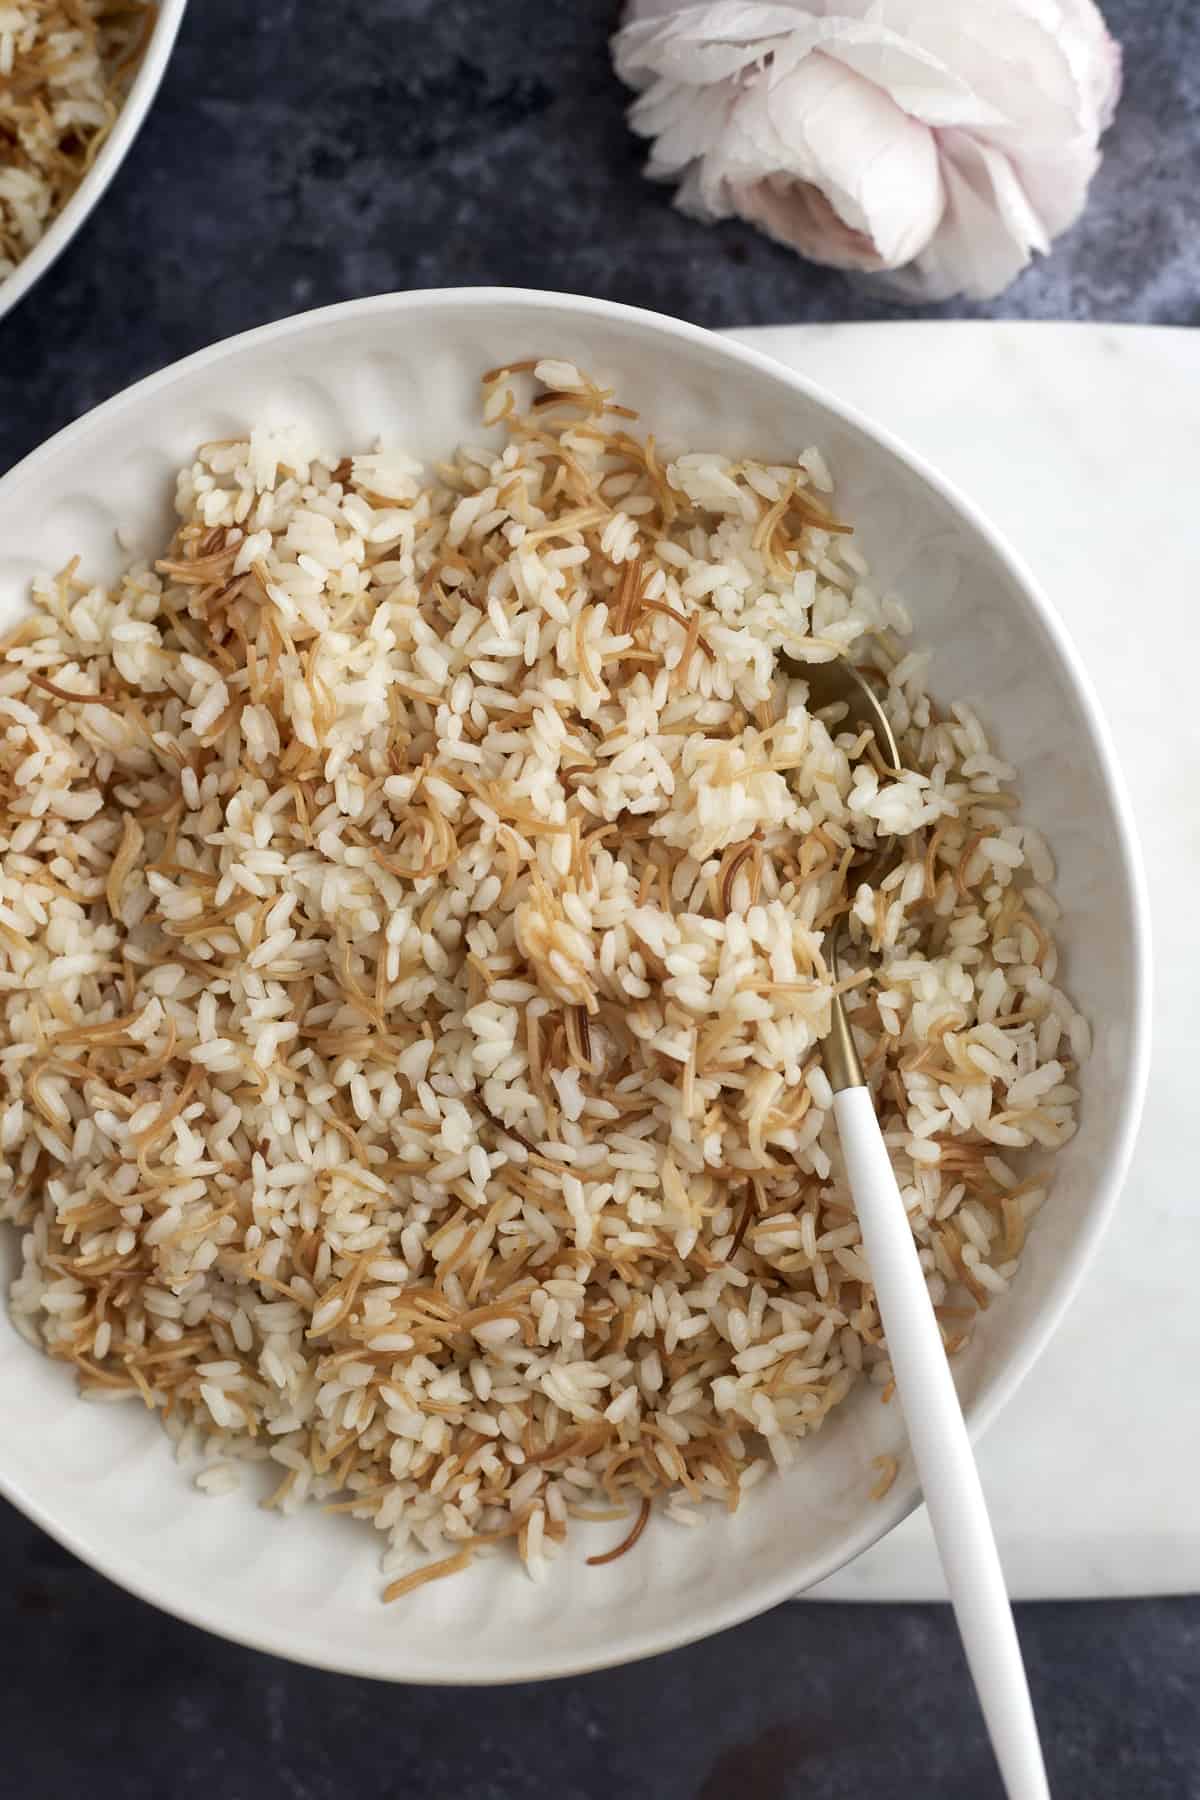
[1082, 442]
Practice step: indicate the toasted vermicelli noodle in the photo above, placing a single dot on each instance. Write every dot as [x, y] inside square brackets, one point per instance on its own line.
[415, 914]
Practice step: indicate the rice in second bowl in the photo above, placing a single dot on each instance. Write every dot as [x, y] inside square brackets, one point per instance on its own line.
[65, 67]
[415, 898]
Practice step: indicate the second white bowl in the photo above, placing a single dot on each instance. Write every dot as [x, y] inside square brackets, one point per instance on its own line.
[64, 225]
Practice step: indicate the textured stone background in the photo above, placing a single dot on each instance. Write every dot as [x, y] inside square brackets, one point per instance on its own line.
[101, 1696]
[301, 152]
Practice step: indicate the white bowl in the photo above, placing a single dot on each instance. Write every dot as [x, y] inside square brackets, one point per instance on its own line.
[111, 155]
[102, 1479]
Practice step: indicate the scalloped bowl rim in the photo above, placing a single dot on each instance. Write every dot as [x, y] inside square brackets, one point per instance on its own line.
[703, 1618]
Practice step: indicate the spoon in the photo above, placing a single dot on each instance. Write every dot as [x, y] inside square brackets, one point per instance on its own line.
[937, 1433]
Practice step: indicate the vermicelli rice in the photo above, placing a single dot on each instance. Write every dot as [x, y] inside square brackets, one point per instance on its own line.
[414, 915]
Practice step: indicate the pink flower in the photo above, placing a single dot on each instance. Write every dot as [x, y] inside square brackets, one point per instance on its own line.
[943, 139]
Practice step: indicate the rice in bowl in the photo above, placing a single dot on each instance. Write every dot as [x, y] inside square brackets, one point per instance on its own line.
[415, 898]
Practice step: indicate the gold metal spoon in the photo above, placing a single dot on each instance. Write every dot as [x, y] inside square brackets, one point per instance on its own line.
[832, 684]
[937, 1435]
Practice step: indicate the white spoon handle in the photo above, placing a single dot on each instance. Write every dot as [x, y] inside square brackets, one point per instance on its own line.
[942, 1451]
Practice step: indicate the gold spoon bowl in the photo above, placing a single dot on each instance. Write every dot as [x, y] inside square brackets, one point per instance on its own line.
[839, 683]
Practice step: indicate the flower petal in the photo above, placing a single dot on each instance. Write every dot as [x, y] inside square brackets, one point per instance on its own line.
[828, 126]
[1011, 56]
[701, 44]
[922, 82]
[797, 214]
[685, 125]
[987, 230]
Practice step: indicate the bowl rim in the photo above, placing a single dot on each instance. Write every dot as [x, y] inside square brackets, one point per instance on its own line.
[112, 153]
[1128, 875]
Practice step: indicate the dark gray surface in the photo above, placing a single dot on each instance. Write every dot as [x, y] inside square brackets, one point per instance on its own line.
[101, 1695]
[304, 152]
